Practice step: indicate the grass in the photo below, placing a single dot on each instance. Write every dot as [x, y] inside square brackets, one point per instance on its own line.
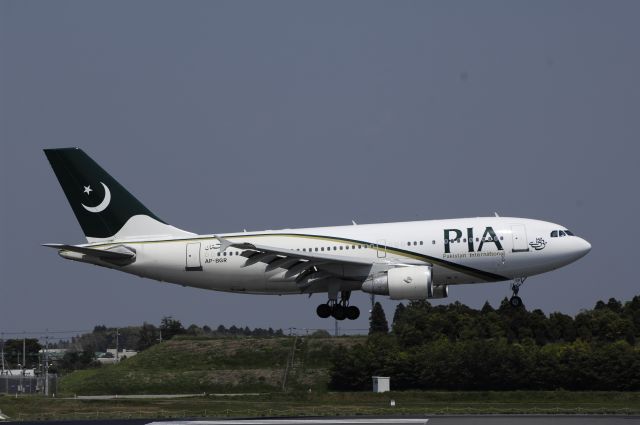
[323, 404]
[196, 365]
[256, 365]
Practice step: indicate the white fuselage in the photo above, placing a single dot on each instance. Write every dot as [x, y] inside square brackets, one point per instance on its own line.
[461, 251]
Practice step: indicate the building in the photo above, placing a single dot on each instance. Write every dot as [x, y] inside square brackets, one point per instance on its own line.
[381, 384]
[111, 356]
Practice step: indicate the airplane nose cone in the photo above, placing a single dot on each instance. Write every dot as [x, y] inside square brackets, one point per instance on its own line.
[582, 248]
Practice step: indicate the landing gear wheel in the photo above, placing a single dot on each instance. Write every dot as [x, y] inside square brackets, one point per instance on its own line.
[339, 312]
[515, 301]
[323, 310]
[353, 312]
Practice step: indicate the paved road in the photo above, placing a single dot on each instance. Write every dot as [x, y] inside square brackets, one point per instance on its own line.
[431, 420]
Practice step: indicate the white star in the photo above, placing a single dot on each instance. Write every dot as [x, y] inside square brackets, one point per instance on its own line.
[87, 189]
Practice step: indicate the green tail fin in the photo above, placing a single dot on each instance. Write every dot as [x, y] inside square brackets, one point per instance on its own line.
[102, 205]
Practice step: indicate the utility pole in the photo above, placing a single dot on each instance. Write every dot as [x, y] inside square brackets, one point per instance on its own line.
[46, 364]
[336, 327]
[24, 353]
[117, 344]
[2, 355]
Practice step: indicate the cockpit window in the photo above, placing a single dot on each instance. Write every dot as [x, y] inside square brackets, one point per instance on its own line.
[569, 233]
[562, 233]
[554, 234]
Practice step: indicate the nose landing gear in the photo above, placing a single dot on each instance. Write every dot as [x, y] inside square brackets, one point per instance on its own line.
[515, 300]
[339, 310]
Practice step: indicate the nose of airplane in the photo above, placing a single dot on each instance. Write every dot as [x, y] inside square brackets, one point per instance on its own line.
[582, 248]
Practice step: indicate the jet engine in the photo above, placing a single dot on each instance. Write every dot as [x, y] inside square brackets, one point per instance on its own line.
[405, 283]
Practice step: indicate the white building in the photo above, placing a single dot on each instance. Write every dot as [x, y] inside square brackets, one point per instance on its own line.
[381, 384]
[111, 356]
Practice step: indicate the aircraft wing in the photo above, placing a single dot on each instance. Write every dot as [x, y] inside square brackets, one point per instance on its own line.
[291, 253]
[307, 267]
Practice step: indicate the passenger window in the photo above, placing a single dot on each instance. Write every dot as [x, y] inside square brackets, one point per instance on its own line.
[433, 242]
[554, 234]
[420, 242]
[340, 247]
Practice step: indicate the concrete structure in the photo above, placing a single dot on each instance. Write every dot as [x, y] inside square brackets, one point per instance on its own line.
[381, 384]
[18, 372]
[111, 356]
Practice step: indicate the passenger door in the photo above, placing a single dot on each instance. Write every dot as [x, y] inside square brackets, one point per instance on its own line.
[193, 257]
[519, 240]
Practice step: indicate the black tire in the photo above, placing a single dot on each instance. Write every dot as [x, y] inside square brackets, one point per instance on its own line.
[353, 312]
[339, 312]
[515, 301]
[323, 310]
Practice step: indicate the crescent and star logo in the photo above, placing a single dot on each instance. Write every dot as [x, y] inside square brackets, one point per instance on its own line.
[102, 205]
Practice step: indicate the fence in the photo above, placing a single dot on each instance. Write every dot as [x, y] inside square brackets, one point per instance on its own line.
[18, 384]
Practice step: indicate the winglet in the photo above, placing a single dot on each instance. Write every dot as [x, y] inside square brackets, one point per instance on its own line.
[224, 243]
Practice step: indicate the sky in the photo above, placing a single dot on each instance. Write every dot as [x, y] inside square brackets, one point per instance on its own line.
[229, 115]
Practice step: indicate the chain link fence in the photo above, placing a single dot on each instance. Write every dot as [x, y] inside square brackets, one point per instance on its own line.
[19, 384]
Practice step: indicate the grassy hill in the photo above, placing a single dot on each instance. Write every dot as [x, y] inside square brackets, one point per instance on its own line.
[222, 365]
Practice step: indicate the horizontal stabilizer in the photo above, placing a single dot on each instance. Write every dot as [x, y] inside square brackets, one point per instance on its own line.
[117, 253]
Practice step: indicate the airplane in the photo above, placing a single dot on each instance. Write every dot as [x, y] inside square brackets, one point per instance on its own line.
[415, 260]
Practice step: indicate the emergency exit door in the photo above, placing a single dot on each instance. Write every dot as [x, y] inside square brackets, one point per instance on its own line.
[193, 257]
[519, 238]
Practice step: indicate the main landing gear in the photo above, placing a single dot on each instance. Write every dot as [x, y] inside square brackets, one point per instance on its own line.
[339, 310]
[515, 300]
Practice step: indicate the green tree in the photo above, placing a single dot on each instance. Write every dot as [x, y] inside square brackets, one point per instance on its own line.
[397, 316]
[378, 321]
[171, 327]
[148, 336]
[13, 352]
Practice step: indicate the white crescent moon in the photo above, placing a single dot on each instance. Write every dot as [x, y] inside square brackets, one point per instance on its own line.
[102, 205]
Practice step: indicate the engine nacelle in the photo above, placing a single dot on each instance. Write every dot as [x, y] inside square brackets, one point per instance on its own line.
[440, 291]
[406, 283]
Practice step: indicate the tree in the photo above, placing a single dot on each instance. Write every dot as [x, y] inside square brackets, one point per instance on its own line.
[148, 336]
[378, 321]
[170, 327]
[13, 351]
[397, 316]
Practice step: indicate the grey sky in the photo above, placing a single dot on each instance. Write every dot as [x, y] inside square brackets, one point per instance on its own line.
[221, 116]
